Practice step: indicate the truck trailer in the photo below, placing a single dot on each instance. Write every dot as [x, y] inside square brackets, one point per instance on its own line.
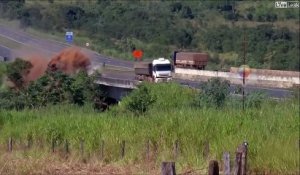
[196, 60]
[158, 70]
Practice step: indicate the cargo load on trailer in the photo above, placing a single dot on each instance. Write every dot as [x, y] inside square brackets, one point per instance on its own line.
[159, 70]
[143, 68]
[196, 60]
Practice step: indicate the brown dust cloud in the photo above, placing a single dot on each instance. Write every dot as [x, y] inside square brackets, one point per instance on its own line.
[69, 61]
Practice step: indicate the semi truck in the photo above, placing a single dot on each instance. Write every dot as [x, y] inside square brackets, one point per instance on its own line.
[158, 70]
[195, 60]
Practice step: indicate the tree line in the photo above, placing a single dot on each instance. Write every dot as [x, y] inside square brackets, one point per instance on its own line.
[50, 89]
[160, 27]
[58, 88]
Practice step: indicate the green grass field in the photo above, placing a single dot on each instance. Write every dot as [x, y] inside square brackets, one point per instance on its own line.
[272, 131]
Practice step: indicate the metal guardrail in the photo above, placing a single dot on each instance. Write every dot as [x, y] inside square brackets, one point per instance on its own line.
[117, 82]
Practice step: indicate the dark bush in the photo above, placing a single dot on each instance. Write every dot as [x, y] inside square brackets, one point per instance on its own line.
[51, 88]
[249, 16]
[140, 100]
[176, 7]
[16, 70]
[213, 93]
[255, 99]
[187, 12]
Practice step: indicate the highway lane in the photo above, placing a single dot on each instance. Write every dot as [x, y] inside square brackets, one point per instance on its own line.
[272, 92]
[97, 59]
[5, 52]
[55, 47]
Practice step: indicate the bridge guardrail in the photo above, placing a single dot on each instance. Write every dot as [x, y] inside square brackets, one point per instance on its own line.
[117, 81]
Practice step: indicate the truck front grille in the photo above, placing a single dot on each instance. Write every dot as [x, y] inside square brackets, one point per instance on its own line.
[164, 75]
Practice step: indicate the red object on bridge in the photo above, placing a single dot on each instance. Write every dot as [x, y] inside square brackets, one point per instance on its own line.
[137, 54]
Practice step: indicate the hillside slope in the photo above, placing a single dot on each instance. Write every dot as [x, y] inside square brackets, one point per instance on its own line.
[160, 27]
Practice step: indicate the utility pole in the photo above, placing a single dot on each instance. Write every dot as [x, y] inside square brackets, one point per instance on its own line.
[244, 66]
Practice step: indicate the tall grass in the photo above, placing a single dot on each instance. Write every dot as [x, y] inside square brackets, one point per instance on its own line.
[272, 131]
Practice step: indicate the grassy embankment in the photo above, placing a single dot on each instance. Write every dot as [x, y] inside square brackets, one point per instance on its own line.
[272, 131]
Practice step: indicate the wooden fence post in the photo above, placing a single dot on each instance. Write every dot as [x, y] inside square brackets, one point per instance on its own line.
[66, 146]
[148, 150]
[29, 142]
[10, 144]
[244, 160]
[241, 159]
[81, 147]
[53, 145]
[168, 168]
[102, 150]
[206, 149]
[123, 149]
[176, 149]
[155, 148]
[237, 163]
[213, 168]
[226, 158]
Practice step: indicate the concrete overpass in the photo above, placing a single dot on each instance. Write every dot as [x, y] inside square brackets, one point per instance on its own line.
[116, 82]
[116, 88]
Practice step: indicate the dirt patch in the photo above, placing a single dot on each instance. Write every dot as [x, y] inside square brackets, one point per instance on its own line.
[53, 165]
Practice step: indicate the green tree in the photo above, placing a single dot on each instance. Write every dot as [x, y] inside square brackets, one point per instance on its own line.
[83, 88]
[213, 93]
[187, 12]
[12, 99]
[140, 100]
[16, 70]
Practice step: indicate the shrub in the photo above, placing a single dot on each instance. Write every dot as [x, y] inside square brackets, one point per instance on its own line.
[254, 99]
[81, 88]
[16, 70]
[2, 72]
[140, 100]
[213, 93]
[171, 95]
[56, 87]
[249, 16]
[53, 88]
[296, 93]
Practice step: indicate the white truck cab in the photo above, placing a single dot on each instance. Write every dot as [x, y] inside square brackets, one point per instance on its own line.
[161, 70]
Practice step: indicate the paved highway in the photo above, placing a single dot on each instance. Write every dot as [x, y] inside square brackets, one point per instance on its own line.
[272, 92]
[54, 47]
[5, 52]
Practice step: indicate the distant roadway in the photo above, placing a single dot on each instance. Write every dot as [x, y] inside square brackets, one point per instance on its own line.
[53, 47]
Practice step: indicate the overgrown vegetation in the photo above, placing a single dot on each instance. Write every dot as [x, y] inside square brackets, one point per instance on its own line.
[160, 27]
[214, 93]
[269, 129]
[51, 88]
[2, 72]
[16, 70]
[140, 100]
[57, 106]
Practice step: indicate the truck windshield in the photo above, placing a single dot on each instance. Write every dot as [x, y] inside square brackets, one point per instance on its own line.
[162, 67]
